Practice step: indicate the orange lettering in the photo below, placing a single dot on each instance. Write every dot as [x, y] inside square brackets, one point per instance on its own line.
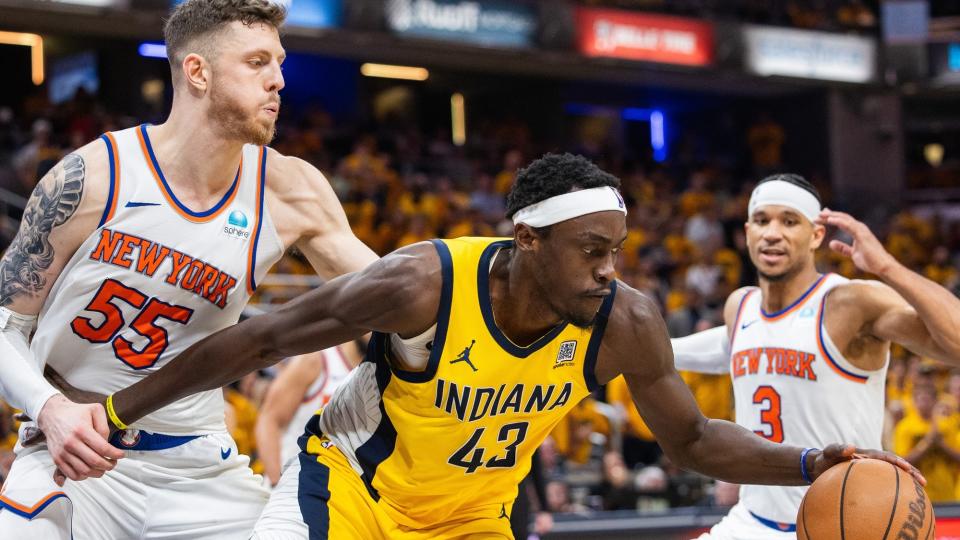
[150, 257]
[121, 259]
[106, 246]
[180, 261]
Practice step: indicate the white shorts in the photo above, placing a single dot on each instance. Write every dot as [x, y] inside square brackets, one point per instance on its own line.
[202, 488]
[739, 524]
[282, 518]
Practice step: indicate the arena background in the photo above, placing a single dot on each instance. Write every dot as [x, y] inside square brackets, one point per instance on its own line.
[420, 111]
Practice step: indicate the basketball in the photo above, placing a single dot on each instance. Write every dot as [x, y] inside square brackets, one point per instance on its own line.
[865, 498]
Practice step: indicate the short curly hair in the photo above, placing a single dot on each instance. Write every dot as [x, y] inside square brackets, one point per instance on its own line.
[193, 23]
[555, 174]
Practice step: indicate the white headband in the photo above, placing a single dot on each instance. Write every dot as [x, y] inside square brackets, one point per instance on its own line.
[570, 205]
[782, 193]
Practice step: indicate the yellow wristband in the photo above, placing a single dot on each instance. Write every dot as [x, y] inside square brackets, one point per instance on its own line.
[112, 414]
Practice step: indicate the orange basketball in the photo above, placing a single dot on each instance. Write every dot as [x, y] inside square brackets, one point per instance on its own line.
[865, 498]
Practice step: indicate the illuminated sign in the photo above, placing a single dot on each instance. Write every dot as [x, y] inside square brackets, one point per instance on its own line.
[496, 23]
[811, 55]
[650, 38]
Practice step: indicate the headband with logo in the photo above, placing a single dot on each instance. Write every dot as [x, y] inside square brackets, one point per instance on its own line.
[570, 205]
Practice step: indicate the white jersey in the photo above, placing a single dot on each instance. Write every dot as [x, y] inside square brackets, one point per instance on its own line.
[335, 370]
[154, 278]
[792, 386]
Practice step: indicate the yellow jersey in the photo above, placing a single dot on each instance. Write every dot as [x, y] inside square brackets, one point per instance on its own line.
[448, 442]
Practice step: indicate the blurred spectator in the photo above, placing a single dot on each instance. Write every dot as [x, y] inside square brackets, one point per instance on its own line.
[485, 200]
[928, 439]
[617, 488]
[766, 138]
[575, 434]
[512, 161]
[558, 497]
[36, 157]
[638, 442]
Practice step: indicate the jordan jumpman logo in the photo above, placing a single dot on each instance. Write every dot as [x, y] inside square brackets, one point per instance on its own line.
[465, 356]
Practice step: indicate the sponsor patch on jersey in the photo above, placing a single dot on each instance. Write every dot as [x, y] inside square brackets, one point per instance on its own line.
[566, 353]
[237, 226]
[806, 313]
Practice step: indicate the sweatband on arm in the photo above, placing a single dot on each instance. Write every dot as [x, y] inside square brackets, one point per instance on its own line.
[21, 382]
[703, 352]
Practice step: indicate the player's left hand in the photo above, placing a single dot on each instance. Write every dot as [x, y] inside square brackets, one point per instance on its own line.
[867, 253]
[838, 453]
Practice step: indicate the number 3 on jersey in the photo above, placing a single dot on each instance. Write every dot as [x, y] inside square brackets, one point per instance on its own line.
[770, 415]
[105, 303]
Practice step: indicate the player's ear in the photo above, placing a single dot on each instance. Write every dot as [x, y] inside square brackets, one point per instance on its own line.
[196, 73]
[819, 233]
[525, 237]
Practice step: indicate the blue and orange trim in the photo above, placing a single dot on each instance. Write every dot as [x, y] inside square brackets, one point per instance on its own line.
[114, 157]
[850, 376]
[736, 320]
[196, 217]
[261, 188]
[796, 303]
[30, 512]
[775, 525]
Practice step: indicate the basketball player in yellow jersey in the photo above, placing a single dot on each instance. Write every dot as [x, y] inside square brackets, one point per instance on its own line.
[134, 247]
[480, 346]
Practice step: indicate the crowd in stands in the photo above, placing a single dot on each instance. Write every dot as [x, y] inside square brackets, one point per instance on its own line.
[686, 249]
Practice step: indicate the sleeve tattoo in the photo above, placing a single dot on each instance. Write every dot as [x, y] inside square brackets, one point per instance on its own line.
[54, 200]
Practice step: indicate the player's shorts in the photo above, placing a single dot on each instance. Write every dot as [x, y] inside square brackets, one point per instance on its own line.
[740, 524]
[321, 497]
[166, 487]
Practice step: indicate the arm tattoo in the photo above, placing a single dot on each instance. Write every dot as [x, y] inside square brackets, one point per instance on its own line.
[54, 200]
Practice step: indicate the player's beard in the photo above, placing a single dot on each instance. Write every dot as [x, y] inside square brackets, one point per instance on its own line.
[791, 271]
[235, 122]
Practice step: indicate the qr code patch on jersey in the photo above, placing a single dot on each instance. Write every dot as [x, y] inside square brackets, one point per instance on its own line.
[566, 352]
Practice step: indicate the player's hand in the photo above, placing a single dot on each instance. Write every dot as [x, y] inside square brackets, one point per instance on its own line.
[838, 453]
[76, 436]
[867, 253]
[543, 523]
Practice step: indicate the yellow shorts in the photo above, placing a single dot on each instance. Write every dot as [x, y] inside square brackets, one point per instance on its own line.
[336, 505]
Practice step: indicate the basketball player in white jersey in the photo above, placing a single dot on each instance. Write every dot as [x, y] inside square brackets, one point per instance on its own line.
[808, 352]
[131, 249]
[304, 385]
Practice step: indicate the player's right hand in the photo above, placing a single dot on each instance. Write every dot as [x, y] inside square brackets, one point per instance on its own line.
[76, 437]
[838, 453]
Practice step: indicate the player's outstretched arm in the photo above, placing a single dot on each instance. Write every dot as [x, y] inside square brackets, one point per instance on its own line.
[397, 294]
[908, 308]
[716, 448]
[308, 214]
[709, 351]
[63, 210]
